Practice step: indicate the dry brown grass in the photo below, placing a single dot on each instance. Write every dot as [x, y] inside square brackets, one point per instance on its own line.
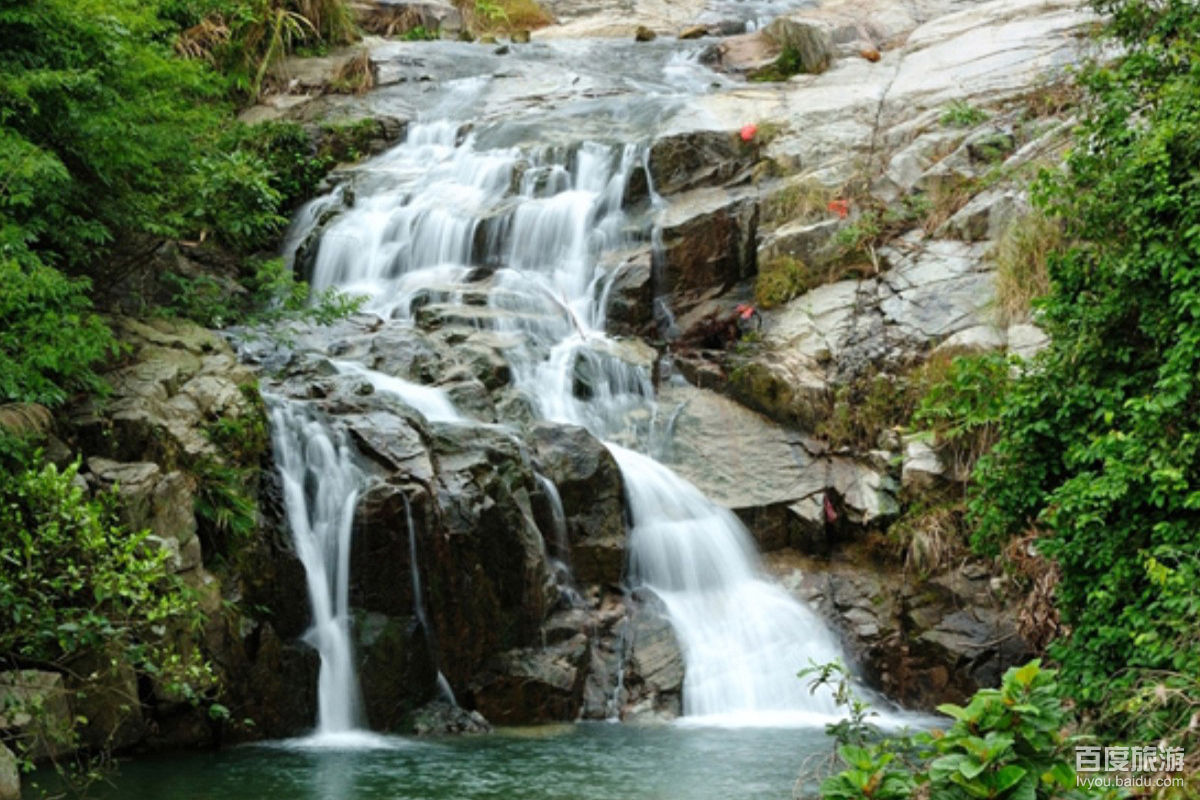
[1037, 617]
[354, 76]
[802, 200]
[202, 39]
[1051, 99]
[1021, 264]
[943, 200]
[484, 17]
[935, 540]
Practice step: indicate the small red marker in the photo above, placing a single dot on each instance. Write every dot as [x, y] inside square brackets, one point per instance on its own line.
[748, 131]
[840, 207]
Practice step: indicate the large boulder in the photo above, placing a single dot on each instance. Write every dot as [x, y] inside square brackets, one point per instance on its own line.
[654, 669]
[531, 685]
[588, 482]
[395, 17]
[488, 581]
[699, 159]
[150, 500]
[179, 380]
[10, 775]
[630, 309]
[801, 496]
[811, 43]
[709, 243]
[920, 640]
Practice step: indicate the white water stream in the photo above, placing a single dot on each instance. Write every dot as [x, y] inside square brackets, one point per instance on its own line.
[442, 209]
[321, 485]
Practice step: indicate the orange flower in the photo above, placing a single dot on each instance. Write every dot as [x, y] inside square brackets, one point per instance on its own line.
[748, 131]
[840, 207]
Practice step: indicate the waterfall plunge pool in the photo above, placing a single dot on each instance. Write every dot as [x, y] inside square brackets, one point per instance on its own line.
[583, 761]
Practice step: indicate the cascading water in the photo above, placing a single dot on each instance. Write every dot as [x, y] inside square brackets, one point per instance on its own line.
[743, 638]
[443, 215]
[321, 485]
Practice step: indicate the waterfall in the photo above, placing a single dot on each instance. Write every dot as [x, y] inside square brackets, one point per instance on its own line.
[743, 638]
[321, 485]
[433, 211]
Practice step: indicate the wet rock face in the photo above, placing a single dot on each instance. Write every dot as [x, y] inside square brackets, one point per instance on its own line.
[462, 497]
[653, 678]
[395, 667]
[589, 485]
[440, 718]
[539, 684]
[921, 642]
[699, 159]
[709, 244]
[489, 584]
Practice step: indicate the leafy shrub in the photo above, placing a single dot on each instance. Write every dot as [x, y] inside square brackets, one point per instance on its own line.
[1099, 445]
[962, 406]
[50, 341]
[294, 167]
[235, 198]
[1005, 744]
[961, 114]
[73, 580]
[99, 126]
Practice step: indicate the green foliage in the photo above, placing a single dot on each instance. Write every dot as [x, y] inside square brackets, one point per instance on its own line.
[1099, 445]
[99, 124]
[877, 224]
[961, 114]
[962, 406]
[288, 155]
[245, 39]
[1006, 744]
[490, 11]
[419, 33]
[779, 280]
[877, 401]
[226, 506]
[270, 295]
[227, 492]
[73, 580]
[801, 200]
[786, 64]
[496, 16]
[865, 407]
[854, 729]
[346, 141]
[236, 200]
[50, 341]
[109, 140]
